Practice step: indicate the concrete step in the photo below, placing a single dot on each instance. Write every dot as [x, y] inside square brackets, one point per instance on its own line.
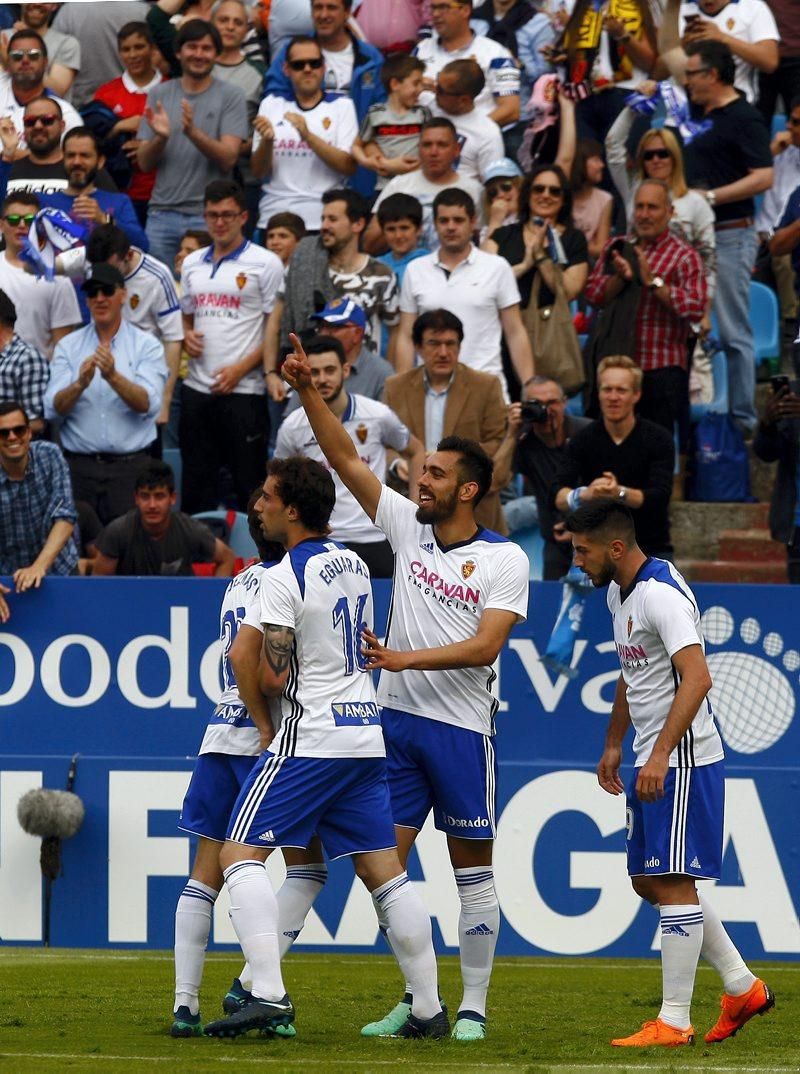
[750, 546]
[699, 570]
[696, 527]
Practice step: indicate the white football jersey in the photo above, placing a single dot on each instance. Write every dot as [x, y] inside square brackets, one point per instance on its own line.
[372, 427]
[328, 707]
[655, 618]
[230, 729]
[438, 597]
[498, 65]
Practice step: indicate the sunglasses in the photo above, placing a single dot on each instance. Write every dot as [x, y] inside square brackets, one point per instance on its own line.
[300, 65]
[17, 431]
[15, 218]
[18, 54]
[46, 121]
[104, 289]
[545, 188]
[499, 188]
[656, 154]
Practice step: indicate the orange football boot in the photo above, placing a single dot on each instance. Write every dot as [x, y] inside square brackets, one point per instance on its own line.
[656, 1033]
[738, 1010]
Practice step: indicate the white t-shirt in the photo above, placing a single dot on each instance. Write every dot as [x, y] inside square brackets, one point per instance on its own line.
[498, 66]
[746, 20]
[438, 597]
[480, 139]
[230, 729]
[475, 291]
[425, 191]
[9, 106]
[299, 177]
[41, 306]
[328, 707]
[230, 301]
[656, 619]
[338, 69]
[372, 427]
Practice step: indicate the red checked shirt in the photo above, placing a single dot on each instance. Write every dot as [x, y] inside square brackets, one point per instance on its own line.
[661, 332]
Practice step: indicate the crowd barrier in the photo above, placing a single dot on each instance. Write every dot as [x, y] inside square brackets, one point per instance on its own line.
[123, 673]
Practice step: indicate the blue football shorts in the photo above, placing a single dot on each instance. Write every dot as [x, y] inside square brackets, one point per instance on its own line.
[216, 781]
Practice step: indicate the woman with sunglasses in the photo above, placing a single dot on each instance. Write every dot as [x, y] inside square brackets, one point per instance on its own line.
[501, 187]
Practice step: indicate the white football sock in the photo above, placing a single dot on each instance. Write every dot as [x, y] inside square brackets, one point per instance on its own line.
[478, 926]
[383, 925]
[192, 926]
[681, 940]
[409, 933]
[254, 913]
[719, 950]
[295, 898]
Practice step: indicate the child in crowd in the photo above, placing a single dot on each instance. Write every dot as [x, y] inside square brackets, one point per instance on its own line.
[388, 141]
[400, 218]
[282, 234]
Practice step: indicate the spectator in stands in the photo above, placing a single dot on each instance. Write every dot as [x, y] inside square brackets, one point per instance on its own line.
[784, 81]
[393, 28]
[155, 539]
[591, 206]
[302, 140]
[478, 287]
[453, 39]
[46, 310]
[82, 200]
[535, 446]
[327, 267]
[37, 512]
[621, 457]
[388, 138]
[400, 219]
[345, 320]
[229, 289]
[786, 179]
[106, 385]
[26, 64]
[96, 27]
[282, 234]
[438, 153]
[443, 397]
[192, 133]
[673, 296]
[777, 440]
[126, 96]
[731, 161]
[63, 50]
[373, 428]
[786, 241]
[501, 185]
[458, 85]
[23, 370]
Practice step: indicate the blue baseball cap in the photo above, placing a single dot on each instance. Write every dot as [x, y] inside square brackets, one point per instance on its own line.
[505, 168]
[342, 311]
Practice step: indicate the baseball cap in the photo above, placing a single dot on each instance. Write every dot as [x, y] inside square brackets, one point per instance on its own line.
[103, 273]
[504, 168]
[342, 311]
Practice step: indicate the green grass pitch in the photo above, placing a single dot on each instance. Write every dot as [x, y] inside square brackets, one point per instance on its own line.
[107, 1012]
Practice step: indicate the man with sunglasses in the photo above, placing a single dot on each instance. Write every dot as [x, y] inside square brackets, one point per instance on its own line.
[37, 512]
[106, 385]
[302, 140]
[26, 65]
[46, 310]
[63, 50]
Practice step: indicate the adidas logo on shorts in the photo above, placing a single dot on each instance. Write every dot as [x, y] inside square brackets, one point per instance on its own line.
[694, 863]
[480, 930]
[267, 837]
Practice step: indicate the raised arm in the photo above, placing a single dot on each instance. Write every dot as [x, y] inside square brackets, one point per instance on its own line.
[333, 439]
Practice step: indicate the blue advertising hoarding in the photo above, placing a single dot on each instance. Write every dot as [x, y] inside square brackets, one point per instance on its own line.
[124, 672]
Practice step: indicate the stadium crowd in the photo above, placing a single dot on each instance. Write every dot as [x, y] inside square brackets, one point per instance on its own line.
[527, 222]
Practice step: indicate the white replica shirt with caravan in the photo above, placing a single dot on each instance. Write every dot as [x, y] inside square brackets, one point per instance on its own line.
[230, 300]
[231, 728]
[654, 618]
[747, 20]
[372, 427]
[328, 708]
[496, 62]
[438, 597]
[299, 177]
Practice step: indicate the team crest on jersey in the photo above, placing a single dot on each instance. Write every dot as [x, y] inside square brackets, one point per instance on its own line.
[134, 301]
[468, 568]
[241, 280]
[326, 122]
[730, 23]
[630, 626]
[362, 432]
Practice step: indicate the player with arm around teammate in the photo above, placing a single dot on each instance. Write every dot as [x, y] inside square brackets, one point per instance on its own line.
[325, 770]
[458, 590]
[676, 798]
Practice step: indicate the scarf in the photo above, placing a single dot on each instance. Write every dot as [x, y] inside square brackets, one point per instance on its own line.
[561, 647]
[51, 233]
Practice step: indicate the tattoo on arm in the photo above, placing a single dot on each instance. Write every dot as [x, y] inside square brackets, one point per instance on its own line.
[278, 642]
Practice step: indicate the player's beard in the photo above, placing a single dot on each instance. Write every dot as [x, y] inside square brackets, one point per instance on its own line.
[440, 511]
[605, 575]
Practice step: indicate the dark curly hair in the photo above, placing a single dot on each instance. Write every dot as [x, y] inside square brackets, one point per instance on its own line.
[306, 485]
